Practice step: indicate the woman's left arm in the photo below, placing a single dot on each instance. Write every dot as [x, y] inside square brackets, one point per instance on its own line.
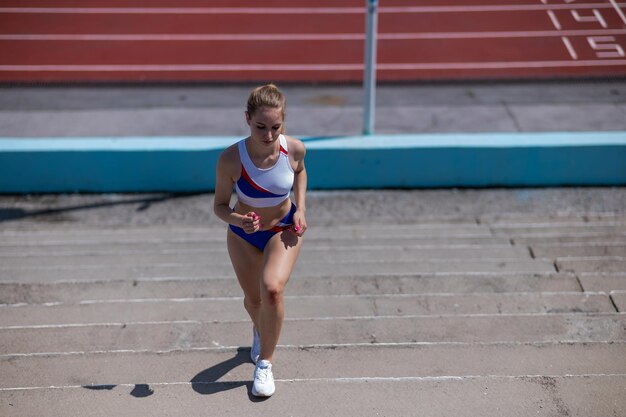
[299, 188]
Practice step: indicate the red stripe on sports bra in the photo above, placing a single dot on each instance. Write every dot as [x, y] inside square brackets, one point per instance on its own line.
[245, 175]
[284, 151]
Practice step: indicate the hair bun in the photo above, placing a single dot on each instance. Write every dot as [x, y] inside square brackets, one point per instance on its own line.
[267, 95]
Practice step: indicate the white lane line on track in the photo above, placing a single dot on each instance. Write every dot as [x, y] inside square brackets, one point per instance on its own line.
[328, 380]
[155, 37]
[500, 65]
[314, 67]
[185, 10]
[302, 10]
[618, 10]
[570, 48]
[554, 20]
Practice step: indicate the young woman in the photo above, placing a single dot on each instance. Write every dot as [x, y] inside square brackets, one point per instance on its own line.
[266, 227]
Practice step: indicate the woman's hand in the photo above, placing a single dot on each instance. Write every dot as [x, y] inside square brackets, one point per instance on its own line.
[299, 223]
[250, 222]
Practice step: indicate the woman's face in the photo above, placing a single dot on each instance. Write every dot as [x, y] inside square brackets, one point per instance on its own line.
[265, 125]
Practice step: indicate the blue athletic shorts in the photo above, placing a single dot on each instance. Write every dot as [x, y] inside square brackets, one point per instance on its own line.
[259, 239]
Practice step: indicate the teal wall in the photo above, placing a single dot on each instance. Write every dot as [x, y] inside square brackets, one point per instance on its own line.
[184, 164]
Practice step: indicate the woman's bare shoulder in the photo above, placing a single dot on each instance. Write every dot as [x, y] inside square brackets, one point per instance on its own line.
[229, 159]
[296, 146]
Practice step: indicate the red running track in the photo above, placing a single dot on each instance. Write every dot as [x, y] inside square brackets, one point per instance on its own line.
[298, 40]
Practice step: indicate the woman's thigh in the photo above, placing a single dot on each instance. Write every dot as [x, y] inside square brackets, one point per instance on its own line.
[280, 256]
[248, 264]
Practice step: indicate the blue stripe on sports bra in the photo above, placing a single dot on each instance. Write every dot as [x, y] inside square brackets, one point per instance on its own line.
[250, 189]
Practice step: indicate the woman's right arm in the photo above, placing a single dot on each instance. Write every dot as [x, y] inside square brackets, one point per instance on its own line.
[224, 183]
[226, 170]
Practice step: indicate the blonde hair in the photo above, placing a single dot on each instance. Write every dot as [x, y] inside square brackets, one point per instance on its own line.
[266, 96]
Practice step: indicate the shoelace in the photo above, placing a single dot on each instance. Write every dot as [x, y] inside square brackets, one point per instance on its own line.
[263, 374]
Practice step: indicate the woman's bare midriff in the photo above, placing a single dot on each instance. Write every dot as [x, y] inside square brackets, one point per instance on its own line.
[270, 216]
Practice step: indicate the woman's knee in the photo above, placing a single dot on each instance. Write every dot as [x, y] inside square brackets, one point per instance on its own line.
[273, 292]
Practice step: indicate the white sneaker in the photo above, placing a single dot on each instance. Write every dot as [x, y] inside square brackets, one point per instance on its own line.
[263, 385]
[255, 350]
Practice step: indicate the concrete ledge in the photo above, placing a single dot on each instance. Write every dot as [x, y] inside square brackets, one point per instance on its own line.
[186, 164]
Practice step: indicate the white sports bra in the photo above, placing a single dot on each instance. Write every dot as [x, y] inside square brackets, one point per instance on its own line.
[258, 187]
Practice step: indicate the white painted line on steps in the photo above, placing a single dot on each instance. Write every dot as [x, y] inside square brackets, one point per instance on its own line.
[221, 227]
[311, 264]
[156, 279]
[218, 225]
[309, 248]
[442, 378]
[314, 235]
[591, 258]
[202, 231]
[381, 275]
[332, 380]
[586, 244]
[563, 235]
[309, 297]
[320, 346]
[311, 240]
[351, 318]
[554, 224]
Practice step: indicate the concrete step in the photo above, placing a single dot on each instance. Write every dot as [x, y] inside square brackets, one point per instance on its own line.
[436, 319]
[192, 334]
[45, 273]
[337, 361]
[518, 219]
[309, 255]
[579, 250]
[563, 230]
[581, 239]
[592, 264]
[325, 306]
[37, 293]
[487, 396]
[602, 281]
